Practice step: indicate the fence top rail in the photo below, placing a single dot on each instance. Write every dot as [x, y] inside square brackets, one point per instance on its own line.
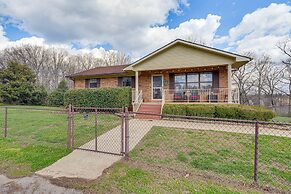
[94, 108]
[214, 119]
[33, 108]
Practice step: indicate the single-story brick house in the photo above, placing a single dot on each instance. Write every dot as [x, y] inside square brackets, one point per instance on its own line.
[179, 72]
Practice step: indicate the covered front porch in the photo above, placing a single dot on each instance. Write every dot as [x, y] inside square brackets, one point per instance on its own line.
[185, 85]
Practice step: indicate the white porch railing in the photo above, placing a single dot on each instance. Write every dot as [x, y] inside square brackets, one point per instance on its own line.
[212, 95]
[137, 102]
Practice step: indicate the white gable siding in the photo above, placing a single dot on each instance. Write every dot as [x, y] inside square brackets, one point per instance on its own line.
[182, 56]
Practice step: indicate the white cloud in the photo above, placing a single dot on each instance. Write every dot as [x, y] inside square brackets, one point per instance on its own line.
[202, 29]
[129, 26]
[3, 39]
[138, 27]
[5, 43]
[261, 30]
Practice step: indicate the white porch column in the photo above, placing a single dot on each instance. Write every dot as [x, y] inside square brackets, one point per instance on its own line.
[136, 86]
[229, 83]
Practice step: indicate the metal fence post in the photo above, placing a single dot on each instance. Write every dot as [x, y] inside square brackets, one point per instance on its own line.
[122, 131]
[73, 128]
[256, 158]
[69, 128]
[126, 126]
[5, 122]
[96, 125]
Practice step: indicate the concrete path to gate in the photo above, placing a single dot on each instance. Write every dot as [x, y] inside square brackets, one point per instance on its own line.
[90, 165]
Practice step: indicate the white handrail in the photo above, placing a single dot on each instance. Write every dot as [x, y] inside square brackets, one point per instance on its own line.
[163, 99]
[138, 101]
[211, 95]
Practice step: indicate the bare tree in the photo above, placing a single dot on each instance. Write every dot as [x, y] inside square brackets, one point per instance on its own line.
[261, 65]
[244, 80]
[51, 64]
[57, 66]
[33, 56]
[272, 81]
[285, 47]
[115, 58]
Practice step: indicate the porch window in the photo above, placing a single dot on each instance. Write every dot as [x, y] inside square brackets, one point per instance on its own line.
[206, 80]
[193, 81]
[180, 81]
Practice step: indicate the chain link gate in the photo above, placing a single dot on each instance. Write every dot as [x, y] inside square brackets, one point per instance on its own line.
[97, 129]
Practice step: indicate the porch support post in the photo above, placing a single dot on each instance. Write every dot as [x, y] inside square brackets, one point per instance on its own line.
[229, 83]
[136, 86]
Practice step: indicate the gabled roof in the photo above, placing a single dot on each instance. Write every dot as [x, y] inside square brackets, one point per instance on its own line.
[108, 70]
[240, 59]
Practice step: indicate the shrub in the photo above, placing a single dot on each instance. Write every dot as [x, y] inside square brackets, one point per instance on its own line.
[200, 111]
[174, 109]
[104, 97]
[220, 111]
[39, 96]
[56, 98]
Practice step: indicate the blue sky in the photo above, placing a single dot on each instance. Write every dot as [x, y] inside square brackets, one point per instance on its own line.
[139, 27]
[231, 11]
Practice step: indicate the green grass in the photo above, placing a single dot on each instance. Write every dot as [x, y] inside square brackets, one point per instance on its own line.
[170, 160]
[224, 154]
[282, 119]
[37, 138]
[125, 177]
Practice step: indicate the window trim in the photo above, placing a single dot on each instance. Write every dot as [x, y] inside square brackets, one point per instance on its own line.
[199, 79]
[122, 81]
[97, 82]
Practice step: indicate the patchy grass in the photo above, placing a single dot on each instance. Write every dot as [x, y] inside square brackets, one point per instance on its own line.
[224, 154]
[37, 138]
[170, 160]
[126, 177]
[282, 119]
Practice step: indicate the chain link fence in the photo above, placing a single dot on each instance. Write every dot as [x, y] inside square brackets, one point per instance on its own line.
[29, 126]
[97, 129]
[248, 151]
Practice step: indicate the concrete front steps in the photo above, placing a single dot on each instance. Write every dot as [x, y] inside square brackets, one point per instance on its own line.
[149, 108]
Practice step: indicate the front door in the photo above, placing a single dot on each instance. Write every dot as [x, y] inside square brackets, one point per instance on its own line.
[157, 83]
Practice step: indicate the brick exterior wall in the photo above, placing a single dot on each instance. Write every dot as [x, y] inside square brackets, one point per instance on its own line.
[145, 78]
[109, 82]
[104, 83]
[223, 81]
[79, 83]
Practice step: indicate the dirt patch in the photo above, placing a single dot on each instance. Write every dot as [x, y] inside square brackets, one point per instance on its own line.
[32, 184]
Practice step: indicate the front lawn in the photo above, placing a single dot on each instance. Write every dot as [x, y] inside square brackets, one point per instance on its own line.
[128, 177]
[37, 138]
[227, 155]
[171, 160]
[282, 119]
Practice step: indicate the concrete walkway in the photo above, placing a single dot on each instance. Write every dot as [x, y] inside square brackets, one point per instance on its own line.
[90, 165]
